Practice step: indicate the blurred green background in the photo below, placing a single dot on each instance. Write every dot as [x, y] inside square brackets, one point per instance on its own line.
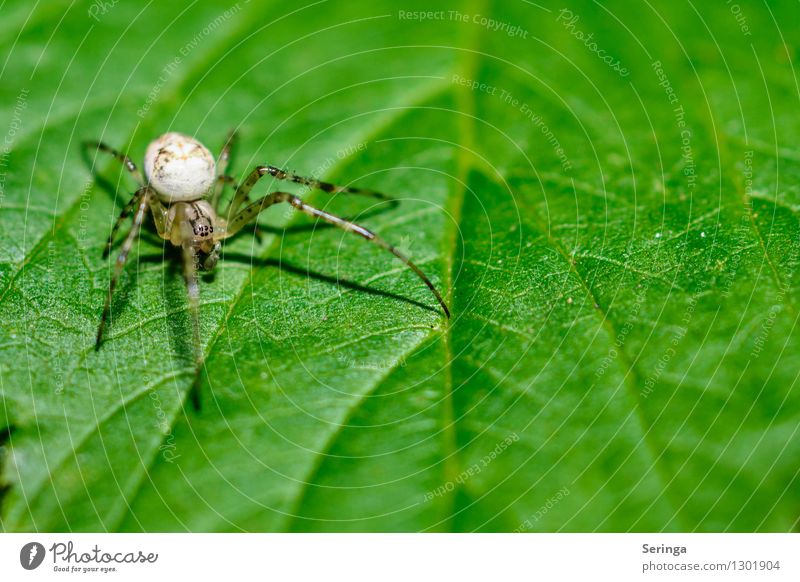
[607, 195]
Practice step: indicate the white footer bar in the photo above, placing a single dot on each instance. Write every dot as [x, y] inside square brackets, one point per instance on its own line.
[390, 557]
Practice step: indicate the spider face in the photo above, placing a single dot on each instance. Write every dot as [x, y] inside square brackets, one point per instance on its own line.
[179, 168]
[192, 221]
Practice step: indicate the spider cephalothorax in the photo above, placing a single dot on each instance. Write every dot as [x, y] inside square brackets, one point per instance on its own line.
[183, 191]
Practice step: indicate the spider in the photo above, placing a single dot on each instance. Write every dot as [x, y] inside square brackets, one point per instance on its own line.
[183, 186]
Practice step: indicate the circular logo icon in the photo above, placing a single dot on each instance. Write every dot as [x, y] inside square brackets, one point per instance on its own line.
[31, 555]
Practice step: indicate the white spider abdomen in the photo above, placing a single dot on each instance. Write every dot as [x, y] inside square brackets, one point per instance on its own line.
[179, 168]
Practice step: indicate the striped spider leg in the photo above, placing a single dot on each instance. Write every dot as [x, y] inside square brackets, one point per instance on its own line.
[248, 213]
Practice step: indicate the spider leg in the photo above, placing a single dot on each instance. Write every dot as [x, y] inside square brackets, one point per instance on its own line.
[159, 217]
[122, 216]
[254, 209]
[219, 188]
[144, 195]
[190, 268]
[125, 160]
[244, 188]
[232, 181]
[222, 165]
[160, 214]
[324, 186]
[225, 179]
[225, 153]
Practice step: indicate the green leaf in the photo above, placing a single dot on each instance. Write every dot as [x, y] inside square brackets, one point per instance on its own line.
[613, 219]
